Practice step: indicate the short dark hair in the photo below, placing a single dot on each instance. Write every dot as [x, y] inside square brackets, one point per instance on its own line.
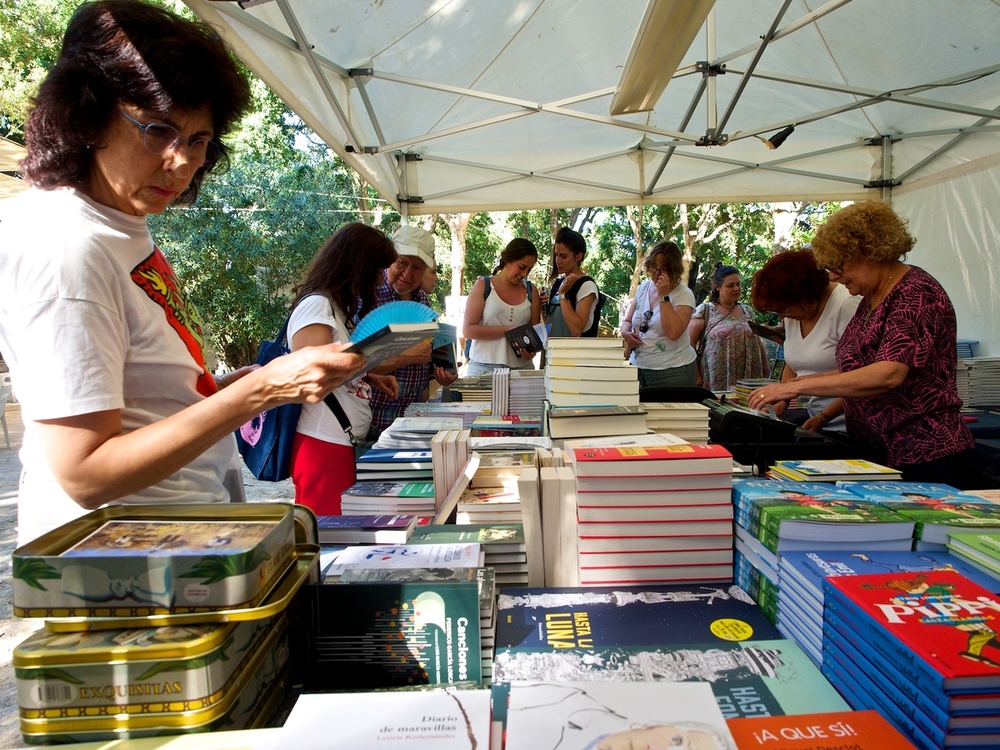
[789, 278]
[348, 268]
[118, 51]
[516, 249]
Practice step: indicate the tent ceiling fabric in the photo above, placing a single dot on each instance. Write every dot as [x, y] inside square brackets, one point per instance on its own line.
[465, 105]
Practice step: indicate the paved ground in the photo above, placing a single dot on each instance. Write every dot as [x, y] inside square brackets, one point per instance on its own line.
[14, 630]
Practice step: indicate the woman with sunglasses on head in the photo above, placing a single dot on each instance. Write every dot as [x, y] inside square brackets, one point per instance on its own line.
[815, 312]
[105, 350]
[897, 357]
[720, 332]
[655, 324]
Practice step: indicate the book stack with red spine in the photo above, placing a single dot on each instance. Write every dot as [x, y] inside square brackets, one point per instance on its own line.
[654, 514]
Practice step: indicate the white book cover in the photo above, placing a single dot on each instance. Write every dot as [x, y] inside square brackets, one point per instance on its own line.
[408, 556]
[551, 519]
[434, 719]
[595, 715]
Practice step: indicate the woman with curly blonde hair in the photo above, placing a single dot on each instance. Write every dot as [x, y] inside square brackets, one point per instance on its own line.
[897, 357]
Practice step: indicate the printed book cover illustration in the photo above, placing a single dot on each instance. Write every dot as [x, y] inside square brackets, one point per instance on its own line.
[141, 538]
[496, 537]
[624, 616]
[982, 548]
[561, 715]
[407, 720]
[941, 618]
[748, 678]
[395, 490]
[834, 469]
[407, 556]
[370, 635]
[391, 329]
[385, 528]
[858, 730]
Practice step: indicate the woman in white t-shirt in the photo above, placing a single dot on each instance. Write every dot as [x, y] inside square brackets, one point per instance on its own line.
[104, 347]
[338, 289]
[655, 324]
[815, 311]
[499, 303]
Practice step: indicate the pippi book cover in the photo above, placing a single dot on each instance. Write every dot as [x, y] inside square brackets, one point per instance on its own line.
[940, 618]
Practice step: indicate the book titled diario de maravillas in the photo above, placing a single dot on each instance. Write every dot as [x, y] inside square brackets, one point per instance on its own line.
[371, 635]
[938, 623]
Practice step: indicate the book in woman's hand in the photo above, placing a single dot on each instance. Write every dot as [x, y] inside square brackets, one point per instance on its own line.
[526, 340]
[392, 340]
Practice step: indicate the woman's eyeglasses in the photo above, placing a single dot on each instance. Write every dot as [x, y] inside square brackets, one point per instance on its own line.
[159, 137]
[644, 325]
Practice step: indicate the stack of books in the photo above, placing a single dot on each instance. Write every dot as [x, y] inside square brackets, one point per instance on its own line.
[937, 509]
[801, 575]
[711, 634]
[502, 469]
[390, 464]
[489, 505]
[595, 421]
[832, 470]
[503, 544]
[508, 444]
[449, 454]
[774, 517]
[467, 411]
[473, 389]
[745, 386]
[394, 498]
[506, 426]
[980, 550]
[415, 433]
[653, 513]
[920, 648]
[582, 384]
[410, 621]
[978, 380]
[377, 529]
[688, 421]
[527, 393]
[500, 403]
[589, 371]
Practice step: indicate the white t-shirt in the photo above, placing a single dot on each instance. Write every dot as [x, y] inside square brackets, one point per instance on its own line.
[318, 420]
[657, 351]
[817, 352]
[496, 312]
[92, 318]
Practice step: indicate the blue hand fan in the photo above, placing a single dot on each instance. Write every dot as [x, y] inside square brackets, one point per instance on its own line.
[400, 311]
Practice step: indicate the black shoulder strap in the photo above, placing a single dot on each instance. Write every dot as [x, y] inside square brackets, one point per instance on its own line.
[487, 287]
[338, 411]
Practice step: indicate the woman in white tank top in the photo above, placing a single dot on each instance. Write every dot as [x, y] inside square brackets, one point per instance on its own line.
[499, 303]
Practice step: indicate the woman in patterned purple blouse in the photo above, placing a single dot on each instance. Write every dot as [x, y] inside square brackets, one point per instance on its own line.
[897, 357]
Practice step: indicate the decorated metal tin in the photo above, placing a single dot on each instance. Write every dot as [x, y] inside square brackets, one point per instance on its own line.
[105, 672]
[305, 563]
[244, 700]
[141, 560]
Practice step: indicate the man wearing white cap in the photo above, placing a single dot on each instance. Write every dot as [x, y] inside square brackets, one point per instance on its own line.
[415, 248]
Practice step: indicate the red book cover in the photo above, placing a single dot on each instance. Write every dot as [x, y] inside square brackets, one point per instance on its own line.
[641, 460]
[938, 621]
[859, 730]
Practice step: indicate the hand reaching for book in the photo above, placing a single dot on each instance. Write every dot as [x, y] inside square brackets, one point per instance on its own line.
[307, 374]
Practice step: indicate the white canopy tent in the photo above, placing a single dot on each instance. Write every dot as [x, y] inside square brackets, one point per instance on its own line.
[468, 105]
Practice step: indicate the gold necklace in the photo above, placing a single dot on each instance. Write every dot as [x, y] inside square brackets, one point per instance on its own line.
[871, 303]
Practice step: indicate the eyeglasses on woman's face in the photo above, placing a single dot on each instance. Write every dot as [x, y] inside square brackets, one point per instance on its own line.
[644, 325]
[158, 138]
[834, 270]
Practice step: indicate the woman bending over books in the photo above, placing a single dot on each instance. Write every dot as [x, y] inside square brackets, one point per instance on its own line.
[499, 303]
[728, 350]
[105, 349]
[656, 322]
[897, 357]
[815, 312]
[571, 308]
